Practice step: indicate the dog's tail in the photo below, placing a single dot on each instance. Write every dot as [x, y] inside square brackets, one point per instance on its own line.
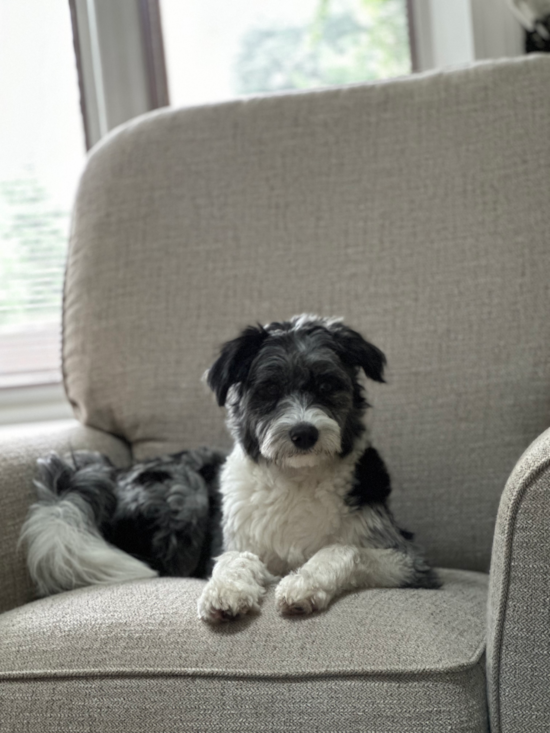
[62, 531]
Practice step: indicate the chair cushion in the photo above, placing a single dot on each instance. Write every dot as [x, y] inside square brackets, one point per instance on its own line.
[377, 660]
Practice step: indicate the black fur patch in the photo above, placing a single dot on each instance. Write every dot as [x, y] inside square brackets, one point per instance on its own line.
[354, 350]
[168, 513]
[152, 476]
[234, 361]
[88, 475]
[372, 483]
[409, 536]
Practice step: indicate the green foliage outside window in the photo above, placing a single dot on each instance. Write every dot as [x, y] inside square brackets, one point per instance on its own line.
[347, 41]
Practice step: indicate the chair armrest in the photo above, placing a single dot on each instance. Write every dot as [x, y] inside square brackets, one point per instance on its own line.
[18, 454]
[518, 643]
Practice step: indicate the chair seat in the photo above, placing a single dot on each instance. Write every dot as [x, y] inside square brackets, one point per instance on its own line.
[136, 657]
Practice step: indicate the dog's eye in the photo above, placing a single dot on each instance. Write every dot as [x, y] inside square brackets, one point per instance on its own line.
[327, 386]
[269, 390]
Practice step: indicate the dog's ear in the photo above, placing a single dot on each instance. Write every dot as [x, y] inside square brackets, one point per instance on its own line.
[234, 362]
[355, 351]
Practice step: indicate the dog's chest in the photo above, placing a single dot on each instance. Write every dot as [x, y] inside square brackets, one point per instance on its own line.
[283, 519]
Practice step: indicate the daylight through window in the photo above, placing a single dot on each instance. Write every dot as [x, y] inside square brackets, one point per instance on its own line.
[216, 50]
[41, 156]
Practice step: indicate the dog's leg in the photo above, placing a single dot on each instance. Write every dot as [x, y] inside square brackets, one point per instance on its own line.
[338, 568]
[236, 587]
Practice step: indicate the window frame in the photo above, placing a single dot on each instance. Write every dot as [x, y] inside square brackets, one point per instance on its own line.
[125, 38]
[481, 29]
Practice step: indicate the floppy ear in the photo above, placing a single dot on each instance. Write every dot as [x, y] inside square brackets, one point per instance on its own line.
[355, 351]
[234, 362]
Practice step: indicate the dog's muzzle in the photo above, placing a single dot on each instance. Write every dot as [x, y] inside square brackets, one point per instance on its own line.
[300, 436]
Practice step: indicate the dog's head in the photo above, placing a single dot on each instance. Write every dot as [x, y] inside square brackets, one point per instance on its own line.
[292, 389]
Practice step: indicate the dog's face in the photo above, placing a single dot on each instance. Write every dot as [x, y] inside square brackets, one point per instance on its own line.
[292, 389]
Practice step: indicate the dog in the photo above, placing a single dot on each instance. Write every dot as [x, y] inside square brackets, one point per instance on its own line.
[304, 493]
[303, 496]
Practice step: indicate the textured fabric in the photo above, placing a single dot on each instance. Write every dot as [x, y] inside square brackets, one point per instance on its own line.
[152, 626]
[453, 702]
[373, 659]
[519, 603]
[415, 208]
[18, 456]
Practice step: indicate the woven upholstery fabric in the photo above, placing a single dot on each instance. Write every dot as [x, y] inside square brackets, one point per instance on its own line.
[415, 208]
[153, 626]
[519, 603]
[392, 654]
[18, 456]
[427, 704]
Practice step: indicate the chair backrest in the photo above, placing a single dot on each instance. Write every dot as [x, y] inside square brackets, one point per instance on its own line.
[417, 209]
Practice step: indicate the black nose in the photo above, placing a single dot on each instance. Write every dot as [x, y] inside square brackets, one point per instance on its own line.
[304, 435]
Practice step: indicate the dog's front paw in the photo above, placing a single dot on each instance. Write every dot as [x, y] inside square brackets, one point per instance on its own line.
[224, 602]
[296, 596]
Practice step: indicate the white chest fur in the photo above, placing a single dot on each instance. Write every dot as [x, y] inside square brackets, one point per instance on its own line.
[286, 516]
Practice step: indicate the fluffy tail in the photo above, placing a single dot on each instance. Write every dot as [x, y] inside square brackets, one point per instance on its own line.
[62, 531]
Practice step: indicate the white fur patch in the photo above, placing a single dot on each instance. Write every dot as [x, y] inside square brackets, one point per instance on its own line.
[64, 551]
[294, 522]
[338, 568]
[285, 515]
[235, 588]
[277, 446]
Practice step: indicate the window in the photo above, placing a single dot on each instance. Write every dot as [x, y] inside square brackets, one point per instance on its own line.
[41, 157]
[217, 50]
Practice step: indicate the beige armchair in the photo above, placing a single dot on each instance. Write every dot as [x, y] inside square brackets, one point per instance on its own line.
[418, 209]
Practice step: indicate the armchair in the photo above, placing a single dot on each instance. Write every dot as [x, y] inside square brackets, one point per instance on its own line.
[416, 208]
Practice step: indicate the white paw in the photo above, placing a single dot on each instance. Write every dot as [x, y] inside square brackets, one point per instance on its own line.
[295, 595]
[224, 601]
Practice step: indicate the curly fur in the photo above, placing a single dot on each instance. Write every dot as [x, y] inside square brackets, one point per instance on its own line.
[96, 524]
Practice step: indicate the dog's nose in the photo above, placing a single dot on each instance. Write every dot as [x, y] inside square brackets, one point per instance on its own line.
[304, 435]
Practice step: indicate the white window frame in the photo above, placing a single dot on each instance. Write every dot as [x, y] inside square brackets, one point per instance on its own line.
[121, 61]
[39, 403]
[448, 33]
[122, 74]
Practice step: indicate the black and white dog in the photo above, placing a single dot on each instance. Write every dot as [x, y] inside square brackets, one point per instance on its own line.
[302, 495]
